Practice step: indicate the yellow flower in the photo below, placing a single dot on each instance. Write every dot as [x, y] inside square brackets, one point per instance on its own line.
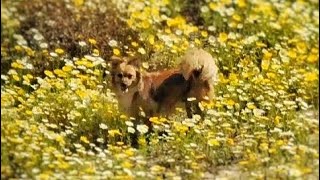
[279, 142]
[16, 77]
[18, 48]
[157, 168]
[122, 177]
[272, 150]
[230, 141]
[130, 22]
[165, 2]
[30, 52]
[162, 119]
[311, 76]
[28, 112]
[145, 24]
[241, 3]
[313, 58]
[114, 132]
[195, 166]
[271, 75]
[277, 120]
[226, 2]
[180, 127]
[179, 20]
[236, 17]
[251, 106]
[243, 163]
[88, 64]
[129, 152]
[213, 6]
[267, 55]
[260, 44]
[204, 33]
[134, 44]
[84, 139]
[82, 77]
[59, 51]
[45, 52]
[49, 74]
[265, 64]
[92, 41]
[218, 105]
[302, 47]
[78, 2]
[151, 39]
[189, 29]
[233, 44]
[17, 65]
[29, 76]
[63, 165]
[116, 52]
[315, 50]
[306, 170]
[208, 105]
[67, 68]
[127, 164]
[223, 37]
[167, 30]
[96, 52]
[233, 77]
[124, 117]
[292, 54]
[213, 142]
[230, 102]
[142, 141]
[264, 146]
[60, 140]
[96, 72]
[44, 176]
[90, 170]
[155, 120]
[197, 41]
[82, 94]
[120, 143]
[60, 73]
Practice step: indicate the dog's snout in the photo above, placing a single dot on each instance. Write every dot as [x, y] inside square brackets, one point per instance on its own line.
[123, 85]
[125, 79]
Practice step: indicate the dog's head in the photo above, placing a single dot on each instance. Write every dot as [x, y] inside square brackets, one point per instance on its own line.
[125, 73]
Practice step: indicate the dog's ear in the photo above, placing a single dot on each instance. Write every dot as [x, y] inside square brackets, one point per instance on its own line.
[115, 61]
[134, 61]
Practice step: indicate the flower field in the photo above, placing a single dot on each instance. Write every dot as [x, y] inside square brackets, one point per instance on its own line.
[60, 119]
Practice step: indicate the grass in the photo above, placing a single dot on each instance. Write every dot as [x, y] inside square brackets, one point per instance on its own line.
[61, 120]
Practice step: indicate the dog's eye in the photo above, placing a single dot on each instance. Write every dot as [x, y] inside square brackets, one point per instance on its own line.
[119, 75]
[129, 76]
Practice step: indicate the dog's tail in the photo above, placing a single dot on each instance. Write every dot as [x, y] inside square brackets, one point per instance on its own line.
[199, 68]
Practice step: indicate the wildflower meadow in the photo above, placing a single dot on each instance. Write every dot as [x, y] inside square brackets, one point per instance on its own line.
[61, 120]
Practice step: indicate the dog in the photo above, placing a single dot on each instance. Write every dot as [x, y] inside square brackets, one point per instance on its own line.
[158, 93]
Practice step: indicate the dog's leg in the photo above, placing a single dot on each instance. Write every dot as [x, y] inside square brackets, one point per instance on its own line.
[193, 108]
[198, 110]
[134, 139]
[188, 106]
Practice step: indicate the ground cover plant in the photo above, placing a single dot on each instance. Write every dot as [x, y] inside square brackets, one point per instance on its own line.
[60, 120]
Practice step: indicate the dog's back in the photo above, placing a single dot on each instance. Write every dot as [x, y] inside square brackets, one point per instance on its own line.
[164, 88]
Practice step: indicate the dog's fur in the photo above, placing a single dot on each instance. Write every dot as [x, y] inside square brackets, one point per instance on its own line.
[157, 93]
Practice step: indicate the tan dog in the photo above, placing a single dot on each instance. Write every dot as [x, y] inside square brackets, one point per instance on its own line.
[158, 93]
